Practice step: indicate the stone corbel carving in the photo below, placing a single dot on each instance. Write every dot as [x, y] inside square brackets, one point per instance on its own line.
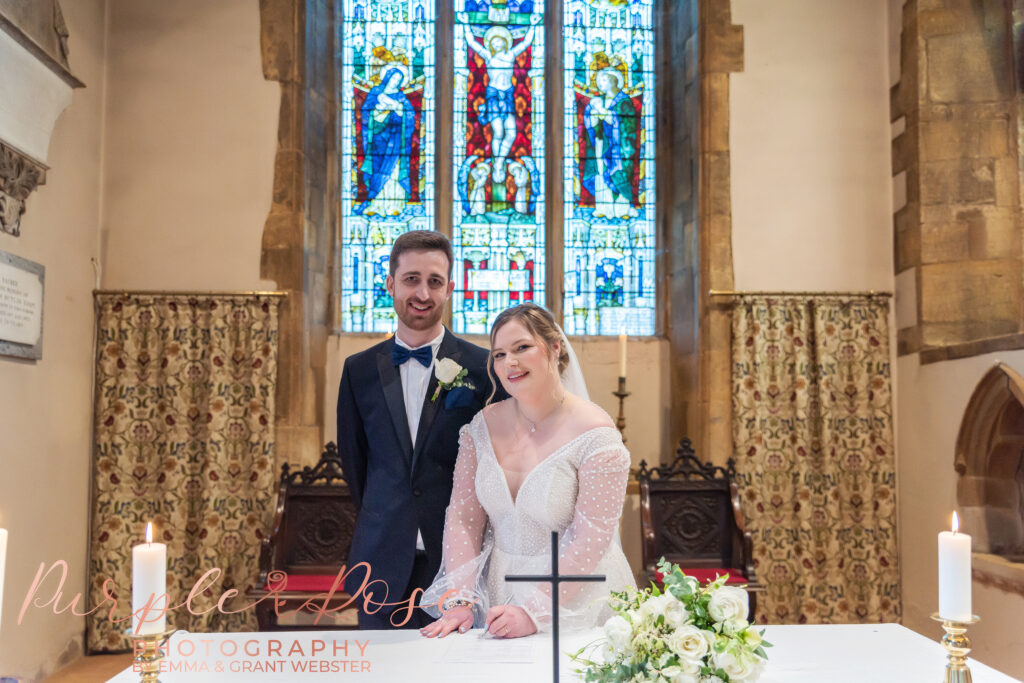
[19, 176]
[35, 87]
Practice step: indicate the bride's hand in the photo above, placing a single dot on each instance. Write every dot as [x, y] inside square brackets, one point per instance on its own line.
[509, 621]
[460, 618]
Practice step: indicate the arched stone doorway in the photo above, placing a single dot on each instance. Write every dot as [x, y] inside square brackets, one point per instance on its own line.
[990, 462]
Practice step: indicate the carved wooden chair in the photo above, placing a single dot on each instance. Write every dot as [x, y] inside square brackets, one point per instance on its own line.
[690, 515]
[309, 541]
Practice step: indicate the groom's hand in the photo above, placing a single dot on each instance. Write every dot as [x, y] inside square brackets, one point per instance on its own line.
[460, 618]
[509, 621]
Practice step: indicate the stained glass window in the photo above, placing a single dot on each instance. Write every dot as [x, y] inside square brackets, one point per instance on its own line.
[609, 232]
[498, 159]
[387, 146]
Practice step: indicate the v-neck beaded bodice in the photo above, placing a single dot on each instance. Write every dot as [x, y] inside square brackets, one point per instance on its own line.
[551, 457]
[578, 490]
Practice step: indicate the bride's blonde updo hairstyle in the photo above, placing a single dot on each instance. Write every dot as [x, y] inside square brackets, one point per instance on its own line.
[540, 323]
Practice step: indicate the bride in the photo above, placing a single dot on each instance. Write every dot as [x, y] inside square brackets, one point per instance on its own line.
[546, 459]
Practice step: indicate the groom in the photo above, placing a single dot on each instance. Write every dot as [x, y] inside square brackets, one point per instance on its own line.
[398, 432]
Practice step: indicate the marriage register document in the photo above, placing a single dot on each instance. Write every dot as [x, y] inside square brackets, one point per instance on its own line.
[475, 649]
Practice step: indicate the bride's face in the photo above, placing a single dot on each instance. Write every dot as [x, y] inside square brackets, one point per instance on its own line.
[523, 363]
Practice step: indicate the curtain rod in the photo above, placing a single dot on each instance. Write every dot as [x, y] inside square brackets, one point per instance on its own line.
[168, 292]
[727, 292]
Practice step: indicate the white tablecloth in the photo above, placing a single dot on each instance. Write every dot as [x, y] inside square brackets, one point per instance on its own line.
[801, 654]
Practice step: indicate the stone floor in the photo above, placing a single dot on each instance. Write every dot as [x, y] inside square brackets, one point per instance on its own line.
[95, 669]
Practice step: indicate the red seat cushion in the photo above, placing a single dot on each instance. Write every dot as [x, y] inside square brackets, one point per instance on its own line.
[708, 575]
[314, 583]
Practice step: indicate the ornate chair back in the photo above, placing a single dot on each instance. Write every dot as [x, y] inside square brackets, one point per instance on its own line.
[690, 515]
[309, 538]
[315, 518]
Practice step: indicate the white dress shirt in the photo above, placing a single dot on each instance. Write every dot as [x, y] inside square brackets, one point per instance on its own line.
[415, 381]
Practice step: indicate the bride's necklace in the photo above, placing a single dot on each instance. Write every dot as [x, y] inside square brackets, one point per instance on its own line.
[533, 425]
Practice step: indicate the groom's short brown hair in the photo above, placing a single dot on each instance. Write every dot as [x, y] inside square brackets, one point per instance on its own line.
[420, 240]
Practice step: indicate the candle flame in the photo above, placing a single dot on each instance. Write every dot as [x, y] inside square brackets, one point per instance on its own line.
[149, 532]
[956, 522]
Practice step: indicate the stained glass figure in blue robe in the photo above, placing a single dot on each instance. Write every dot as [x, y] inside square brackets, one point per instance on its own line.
[388, 123]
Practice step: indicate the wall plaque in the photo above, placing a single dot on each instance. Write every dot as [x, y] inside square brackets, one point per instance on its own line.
[21, 307]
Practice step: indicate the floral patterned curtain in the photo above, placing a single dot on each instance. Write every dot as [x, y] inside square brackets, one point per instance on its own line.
[812, 428]
[185, 439]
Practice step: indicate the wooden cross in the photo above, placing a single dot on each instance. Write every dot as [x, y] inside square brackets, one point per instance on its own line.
[554, 578]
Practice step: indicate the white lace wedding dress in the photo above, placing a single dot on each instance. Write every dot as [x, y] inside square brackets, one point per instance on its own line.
[578, 490]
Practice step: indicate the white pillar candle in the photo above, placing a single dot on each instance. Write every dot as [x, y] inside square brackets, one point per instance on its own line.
[622, 353]
[955, 574]
[3, 561]
[149, 580]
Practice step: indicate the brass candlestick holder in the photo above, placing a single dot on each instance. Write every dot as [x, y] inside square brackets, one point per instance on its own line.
[149, 649]
[620, 421]
[957, 646]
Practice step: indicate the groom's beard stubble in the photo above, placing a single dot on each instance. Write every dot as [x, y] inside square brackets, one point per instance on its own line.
[419, 321]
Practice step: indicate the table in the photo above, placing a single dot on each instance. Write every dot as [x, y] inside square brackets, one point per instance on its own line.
[880, 653]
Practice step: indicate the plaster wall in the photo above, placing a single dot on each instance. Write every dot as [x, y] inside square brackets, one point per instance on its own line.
[809, 126]
[191, 126]
[932, 399]
[45, 406]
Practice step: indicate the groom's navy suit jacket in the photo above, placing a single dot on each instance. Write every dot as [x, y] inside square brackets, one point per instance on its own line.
[398, 485]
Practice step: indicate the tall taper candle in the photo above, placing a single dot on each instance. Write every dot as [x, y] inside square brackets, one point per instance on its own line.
[955, 574]
[149, 579]
[622, 353]
[3, 562]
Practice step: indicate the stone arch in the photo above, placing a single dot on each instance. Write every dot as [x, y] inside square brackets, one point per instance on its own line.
[989, 458]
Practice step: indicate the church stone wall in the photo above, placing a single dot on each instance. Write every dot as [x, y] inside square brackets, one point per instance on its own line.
[959, 234]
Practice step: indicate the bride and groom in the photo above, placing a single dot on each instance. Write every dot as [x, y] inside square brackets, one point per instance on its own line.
[460, 480]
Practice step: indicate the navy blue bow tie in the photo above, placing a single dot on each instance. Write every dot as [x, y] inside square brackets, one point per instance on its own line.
[400, 354]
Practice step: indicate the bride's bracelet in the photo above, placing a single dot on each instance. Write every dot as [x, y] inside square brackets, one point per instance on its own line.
[456, 602]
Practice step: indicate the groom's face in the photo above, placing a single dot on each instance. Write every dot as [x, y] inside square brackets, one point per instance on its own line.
[420, 288]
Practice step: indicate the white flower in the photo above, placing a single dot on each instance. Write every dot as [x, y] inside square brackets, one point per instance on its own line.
[712, 679]
[742, 666]
[607, 652]
[688, 642]
[446, 370]
[651, 607]
[728, 605]
[677, 674]
[667, 606]
[618, 632]
[675, 613]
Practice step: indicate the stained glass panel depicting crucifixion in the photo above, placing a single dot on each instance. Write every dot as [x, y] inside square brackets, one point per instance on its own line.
[498, 159]
[387, 146]
[609, 231]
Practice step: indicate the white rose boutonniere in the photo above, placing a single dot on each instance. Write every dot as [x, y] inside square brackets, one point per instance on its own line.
[449, 376]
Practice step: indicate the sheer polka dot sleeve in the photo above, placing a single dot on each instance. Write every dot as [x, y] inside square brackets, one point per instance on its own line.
[466, 546]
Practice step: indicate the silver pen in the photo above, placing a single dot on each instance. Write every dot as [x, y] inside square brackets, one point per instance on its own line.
[486, 633]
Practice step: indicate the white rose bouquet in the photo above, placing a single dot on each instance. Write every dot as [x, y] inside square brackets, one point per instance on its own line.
[687, 634]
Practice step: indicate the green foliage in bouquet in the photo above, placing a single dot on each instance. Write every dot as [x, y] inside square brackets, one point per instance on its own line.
[687, 634]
